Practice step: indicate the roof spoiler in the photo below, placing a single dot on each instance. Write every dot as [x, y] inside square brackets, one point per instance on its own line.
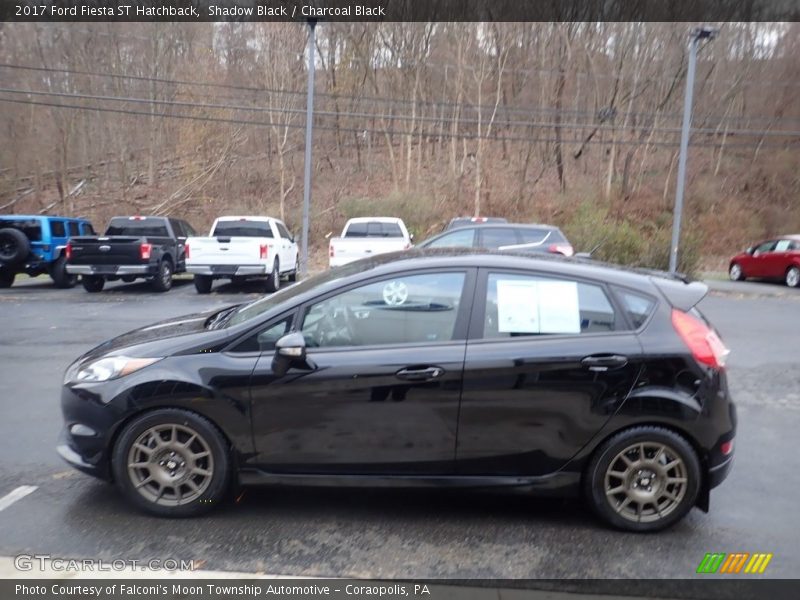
[681, 294]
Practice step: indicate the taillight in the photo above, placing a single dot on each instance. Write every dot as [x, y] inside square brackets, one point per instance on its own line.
[564, 249]
[330, 250]
[262, 251]
[68, 250]
[704, 343]
[145, 250]
[726, 448]
[186, 250]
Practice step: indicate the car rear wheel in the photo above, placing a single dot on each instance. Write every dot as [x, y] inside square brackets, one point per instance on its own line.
[173, 463]
[6, 278]
[793, 277]
[59, 275]
[162, 282]
[14, 246]
[735, 272]
[274, 280]
[203, 283]
[92, 283]
[293, 275]
[643, 479]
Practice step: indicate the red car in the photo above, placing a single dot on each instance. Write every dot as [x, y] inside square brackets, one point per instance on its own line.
[778, 258]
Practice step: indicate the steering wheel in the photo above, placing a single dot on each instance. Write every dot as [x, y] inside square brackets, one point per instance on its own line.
[329, 330]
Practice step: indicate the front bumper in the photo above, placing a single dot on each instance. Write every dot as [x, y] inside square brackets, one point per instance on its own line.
[90, 461]
[119, 270]
[227, 270]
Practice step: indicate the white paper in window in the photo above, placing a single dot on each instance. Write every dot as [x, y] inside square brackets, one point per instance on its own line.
[517, 306]
[559, 310]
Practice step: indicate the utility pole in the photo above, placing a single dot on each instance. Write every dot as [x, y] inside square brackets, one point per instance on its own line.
[697, 34]
[312, 24]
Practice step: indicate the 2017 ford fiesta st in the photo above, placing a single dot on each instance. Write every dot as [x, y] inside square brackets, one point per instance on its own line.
[453, 368]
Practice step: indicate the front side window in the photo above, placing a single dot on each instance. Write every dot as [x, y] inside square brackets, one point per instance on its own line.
[283, 231]
[88, 229]
[265, 339]
[461, 238]
[73, 229]
[402, 310]
[765, 247]
[525, 305]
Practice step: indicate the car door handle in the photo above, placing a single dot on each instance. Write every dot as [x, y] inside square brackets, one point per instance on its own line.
[604, 362]
[421, 374]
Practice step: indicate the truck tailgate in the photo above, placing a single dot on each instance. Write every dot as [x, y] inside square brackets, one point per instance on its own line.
[115, 250]
[345, 250]
[227, 251]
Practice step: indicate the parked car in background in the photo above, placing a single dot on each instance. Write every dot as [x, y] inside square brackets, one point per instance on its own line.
[131, 248]
[456, 369]
[778, 259]
[36, 244]
[512, 237]
[368, 236]
[239, 248]
[466, 221]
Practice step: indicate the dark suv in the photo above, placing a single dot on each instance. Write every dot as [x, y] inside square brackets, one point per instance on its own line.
[36, 244]
[451, 368]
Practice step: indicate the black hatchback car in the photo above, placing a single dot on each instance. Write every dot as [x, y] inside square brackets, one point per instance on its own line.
[456, 368]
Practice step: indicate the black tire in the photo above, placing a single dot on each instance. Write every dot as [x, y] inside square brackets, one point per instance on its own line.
[274, 279]
[792, 278]
[679, 496]
[93, 283]
[6, 278]
[128, 278]
[14, 246]
[735, 272]
[59, 275]
[203, 283]
[209, 489]
[162, 282]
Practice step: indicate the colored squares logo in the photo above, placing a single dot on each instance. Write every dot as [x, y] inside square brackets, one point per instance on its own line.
[735, 563]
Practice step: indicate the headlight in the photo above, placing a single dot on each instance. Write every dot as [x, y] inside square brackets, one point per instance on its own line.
[110, 368]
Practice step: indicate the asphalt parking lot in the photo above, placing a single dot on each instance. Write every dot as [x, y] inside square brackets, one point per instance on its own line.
[388, 534]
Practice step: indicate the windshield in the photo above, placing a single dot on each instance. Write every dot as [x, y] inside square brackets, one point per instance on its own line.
[242, 228]
[137, 227]
[258, 307]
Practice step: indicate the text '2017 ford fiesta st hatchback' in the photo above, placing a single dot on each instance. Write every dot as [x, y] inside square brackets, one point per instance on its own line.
[454, 367]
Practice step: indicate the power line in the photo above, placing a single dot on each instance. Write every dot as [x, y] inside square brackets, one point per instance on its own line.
[362, 130]
[394, 117]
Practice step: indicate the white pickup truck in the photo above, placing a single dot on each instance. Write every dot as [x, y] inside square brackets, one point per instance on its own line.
[368, 236]
[239, 248]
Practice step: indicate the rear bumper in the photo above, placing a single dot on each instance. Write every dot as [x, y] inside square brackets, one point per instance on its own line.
[227, 270]
[718, 474]
[111, 269]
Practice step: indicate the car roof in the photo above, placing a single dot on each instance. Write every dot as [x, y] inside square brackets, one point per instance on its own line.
[43, 217]
[791, 236]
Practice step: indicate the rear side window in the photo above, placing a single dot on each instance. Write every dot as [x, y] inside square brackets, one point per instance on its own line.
[524, 305]
[461, 238]
[497, 238]
[73, 229]
[138, 227]
[57, 229]
[243, 228]
[637, 306]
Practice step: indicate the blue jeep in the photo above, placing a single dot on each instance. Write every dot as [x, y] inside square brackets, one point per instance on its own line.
[36, 244]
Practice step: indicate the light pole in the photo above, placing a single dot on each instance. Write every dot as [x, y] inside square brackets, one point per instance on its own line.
[312, 24]
[697, 34]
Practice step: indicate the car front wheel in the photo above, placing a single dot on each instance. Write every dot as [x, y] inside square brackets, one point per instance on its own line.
[172, 463]
[793, 277]
[735, 272]
[643, 479]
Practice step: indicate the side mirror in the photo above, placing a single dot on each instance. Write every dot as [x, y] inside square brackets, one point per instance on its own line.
[750, 250]
[290, 351]
[411, 237]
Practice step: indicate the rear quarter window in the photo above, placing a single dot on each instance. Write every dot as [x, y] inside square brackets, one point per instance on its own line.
[638, 307]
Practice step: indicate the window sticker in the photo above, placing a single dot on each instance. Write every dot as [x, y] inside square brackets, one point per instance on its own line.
[538, 306]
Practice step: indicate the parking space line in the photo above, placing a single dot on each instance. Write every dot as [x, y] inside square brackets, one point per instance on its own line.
[16, 494]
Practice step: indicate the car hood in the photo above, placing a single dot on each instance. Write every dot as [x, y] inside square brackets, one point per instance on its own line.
[154, 338]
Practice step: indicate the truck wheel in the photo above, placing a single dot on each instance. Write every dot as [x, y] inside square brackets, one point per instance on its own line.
[93, 283]
[203, 283]
[6, 278]
[59, 275]
[274, 280]
[293, 275]
[14, 246]
[162, 282]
